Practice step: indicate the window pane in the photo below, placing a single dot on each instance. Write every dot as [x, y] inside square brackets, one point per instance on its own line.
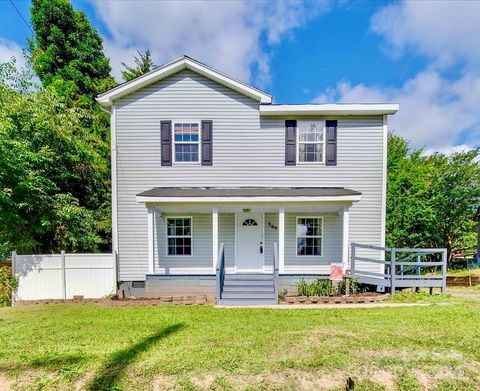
[310, 153]
[186, 152]
[309, 246]
[310, 131]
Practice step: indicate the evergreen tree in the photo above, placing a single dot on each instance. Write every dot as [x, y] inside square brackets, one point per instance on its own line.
[142, 64]
[67, 52]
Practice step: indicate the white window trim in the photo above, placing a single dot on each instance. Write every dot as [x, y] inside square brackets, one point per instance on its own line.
[311, 236]
[298, 142]
[176, 236]
[199, 142]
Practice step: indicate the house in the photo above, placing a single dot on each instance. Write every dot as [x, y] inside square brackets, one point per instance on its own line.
[211, 179]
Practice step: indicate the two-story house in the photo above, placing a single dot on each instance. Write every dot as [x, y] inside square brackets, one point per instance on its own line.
[209, 176]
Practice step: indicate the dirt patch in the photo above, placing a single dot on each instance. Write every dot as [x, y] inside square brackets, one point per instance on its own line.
[4, 383]
[384, 378]
[298, 380]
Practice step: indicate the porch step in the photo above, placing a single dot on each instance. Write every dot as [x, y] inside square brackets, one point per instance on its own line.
[248, 282]
[248, 295]
[247, 287]
[247, 302]
[250, 277]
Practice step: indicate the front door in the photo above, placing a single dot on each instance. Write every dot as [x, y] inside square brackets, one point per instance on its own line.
[250, 246]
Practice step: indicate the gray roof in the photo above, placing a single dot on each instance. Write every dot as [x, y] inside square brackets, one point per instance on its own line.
[248, 192]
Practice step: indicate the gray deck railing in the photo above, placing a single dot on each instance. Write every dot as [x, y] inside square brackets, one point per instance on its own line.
[220, 271]
[275, 269]
[403, 267]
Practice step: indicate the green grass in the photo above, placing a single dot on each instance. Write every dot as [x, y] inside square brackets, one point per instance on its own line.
[92, 347]
[474, 272]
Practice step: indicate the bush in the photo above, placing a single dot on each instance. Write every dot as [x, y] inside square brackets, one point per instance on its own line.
[8, 284]
[320, 287]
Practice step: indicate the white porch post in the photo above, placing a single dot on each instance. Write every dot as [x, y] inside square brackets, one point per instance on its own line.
[345, 237]
[151, 227]
[215, 238]
[281, 240]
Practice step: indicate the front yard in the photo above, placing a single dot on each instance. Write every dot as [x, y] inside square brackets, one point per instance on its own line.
[94, 347]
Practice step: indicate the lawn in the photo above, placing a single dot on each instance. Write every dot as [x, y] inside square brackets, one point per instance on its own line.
[474, 272]
[93, 347]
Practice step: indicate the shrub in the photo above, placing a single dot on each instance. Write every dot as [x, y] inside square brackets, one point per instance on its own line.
[320, 287]
[8, 284]
[315, 288]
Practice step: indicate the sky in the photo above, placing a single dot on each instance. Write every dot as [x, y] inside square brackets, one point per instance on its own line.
[424, 55]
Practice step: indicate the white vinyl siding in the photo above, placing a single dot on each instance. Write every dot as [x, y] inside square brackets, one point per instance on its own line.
[247, 151]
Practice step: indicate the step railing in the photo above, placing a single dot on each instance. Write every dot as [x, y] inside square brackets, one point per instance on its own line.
[402, 267]
[276, 278]
[220, 271]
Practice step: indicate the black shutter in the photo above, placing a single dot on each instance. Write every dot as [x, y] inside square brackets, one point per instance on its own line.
[290, 142]
[207, 144]
[331, 143]
[166, 141]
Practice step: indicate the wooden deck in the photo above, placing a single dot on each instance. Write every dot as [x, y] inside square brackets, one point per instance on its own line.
[400, 267]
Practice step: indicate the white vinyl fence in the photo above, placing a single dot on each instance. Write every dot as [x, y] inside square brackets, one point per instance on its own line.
[62, 276]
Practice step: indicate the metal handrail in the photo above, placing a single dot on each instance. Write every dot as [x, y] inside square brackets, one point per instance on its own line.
[220, 271]
[276, 277]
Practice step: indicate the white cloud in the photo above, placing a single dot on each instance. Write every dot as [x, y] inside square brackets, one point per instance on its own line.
[226, 35]
[436, 111]
[9, 49]
[448, 32]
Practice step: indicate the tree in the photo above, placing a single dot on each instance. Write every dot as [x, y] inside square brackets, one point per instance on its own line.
[142, 64]
[50, 172]
[66, 52]
[431, 200]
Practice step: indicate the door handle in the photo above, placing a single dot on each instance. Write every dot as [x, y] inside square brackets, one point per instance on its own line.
[261, 247]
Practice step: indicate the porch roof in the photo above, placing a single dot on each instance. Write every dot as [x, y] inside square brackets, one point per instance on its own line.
[232, 194]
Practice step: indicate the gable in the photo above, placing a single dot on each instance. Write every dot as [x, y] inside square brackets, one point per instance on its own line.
[184, 63]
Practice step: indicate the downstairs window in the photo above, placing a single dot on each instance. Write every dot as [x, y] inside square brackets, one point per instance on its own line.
[309, 236]
[179, 236]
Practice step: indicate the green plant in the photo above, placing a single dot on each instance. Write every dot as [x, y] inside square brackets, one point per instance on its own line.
[8, 284]
[317, 287]
[354, 286]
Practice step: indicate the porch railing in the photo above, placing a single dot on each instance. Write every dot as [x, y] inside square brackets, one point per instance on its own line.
[275, 269]
[220, 275]
[403, 267]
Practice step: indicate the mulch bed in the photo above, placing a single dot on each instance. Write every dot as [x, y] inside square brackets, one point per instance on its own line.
[355, 298]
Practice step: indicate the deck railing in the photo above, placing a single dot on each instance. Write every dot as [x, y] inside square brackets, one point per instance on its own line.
[275, 269]
[220, 271]
[402, 267]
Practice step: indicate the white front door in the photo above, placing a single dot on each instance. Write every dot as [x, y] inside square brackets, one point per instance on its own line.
[250, 246]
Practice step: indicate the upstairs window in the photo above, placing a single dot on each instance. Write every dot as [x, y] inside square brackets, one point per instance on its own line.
[179, 236]
[311, 141]
[309, 236]
[186, 138]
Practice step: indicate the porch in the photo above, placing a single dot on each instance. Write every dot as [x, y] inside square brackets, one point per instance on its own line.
[243, 237]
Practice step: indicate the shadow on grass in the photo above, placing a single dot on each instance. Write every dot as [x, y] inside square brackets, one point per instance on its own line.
[108, 376]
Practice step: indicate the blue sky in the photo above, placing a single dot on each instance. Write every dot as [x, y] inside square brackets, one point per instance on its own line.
[423, 55]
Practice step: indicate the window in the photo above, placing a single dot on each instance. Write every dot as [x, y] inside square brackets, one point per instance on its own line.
[186, 138]
[249, 223]
[309, 236]
[179, 236]
[311, 141]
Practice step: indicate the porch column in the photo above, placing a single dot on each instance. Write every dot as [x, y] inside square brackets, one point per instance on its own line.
[151, 227]
[281, 240]
[215, 238]
[345, 238]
